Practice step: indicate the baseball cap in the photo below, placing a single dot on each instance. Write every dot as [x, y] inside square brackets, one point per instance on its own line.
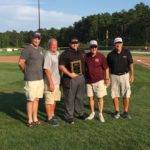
[93, 42]
[74, 41]
[36, 35]
[118, 40]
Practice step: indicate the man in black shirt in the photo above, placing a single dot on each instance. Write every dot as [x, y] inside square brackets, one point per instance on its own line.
[120, 63]
[71, 64]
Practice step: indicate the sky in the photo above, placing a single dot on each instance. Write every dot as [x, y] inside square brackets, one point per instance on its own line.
[22, 15]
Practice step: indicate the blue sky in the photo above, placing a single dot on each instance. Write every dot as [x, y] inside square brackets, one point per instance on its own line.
[22, 14]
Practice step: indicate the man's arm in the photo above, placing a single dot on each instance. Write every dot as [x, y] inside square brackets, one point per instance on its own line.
[66, 72]
[22, 64]
[107, 77]
[131, 68]
[131, 73]
[50, 81]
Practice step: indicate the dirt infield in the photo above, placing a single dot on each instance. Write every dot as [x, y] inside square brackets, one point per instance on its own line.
[9, 59]
[144, 61]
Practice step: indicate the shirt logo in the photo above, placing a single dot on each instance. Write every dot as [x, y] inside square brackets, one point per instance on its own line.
[96, 60]
[124, 56]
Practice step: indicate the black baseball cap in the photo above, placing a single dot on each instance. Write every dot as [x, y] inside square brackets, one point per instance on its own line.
[36, 35]
[74, 40]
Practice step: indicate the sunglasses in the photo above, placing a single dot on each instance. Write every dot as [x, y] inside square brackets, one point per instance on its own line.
[93, 46]
[75, 42]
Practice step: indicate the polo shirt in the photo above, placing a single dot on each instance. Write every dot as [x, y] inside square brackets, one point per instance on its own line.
[119, 63]
[71, 55]
[95, 67]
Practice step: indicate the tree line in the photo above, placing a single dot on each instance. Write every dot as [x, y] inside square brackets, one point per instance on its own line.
[132, 25]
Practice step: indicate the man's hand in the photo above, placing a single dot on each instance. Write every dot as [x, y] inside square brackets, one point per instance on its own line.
[21, 64]
[107, 82]
[73, 75]
[51, 87]
[131, 78]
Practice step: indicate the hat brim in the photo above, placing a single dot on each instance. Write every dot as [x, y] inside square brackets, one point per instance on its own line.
[118, 42]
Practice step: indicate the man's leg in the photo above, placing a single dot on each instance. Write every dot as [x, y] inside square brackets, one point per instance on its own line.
[126, 92]
[29, 111]
[35, 109]
[126, 108]
[50, 109]
[91, 99]
[126, 104]
[116, 104]
[80, 98]
[100, 106]
[116, 107]
[69, 96]
[92, 115]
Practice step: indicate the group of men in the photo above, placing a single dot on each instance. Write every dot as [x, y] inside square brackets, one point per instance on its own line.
[81, 74]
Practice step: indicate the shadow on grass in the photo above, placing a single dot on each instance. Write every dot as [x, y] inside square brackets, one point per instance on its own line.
[14, 106]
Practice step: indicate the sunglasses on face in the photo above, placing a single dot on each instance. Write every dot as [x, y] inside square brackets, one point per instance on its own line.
[93, 46]
[75, 42]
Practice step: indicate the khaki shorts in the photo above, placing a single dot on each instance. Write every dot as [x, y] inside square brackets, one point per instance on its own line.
[98, 88]
[52, 97]
[34, 89]
[120, 86]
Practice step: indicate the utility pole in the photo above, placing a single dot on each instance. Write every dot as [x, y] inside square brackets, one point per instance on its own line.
[39, 17]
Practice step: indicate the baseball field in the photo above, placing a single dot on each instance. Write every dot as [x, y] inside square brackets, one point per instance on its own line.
[114, 134]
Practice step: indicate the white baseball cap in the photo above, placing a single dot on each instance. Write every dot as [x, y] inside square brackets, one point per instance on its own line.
[118, 40]
[93, 42]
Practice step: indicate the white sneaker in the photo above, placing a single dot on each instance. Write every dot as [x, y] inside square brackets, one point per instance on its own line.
[91, 116]
[101, 118]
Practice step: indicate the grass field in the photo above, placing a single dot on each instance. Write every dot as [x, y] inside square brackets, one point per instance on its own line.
[83, 135]
[13, 53]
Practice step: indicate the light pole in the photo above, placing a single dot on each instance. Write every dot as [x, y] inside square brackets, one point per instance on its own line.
[39, 17]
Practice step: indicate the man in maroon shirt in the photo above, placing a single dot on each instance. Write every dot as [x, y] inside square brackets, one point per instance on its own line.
[97, 77]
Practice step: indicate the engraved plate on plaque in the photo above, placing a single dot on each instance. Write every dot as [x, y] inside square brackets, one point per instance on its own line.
[76, 67]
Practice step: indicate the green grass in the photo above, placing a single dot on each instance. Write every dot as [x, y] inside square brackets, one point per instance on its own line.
[13, 53]
[83, 135]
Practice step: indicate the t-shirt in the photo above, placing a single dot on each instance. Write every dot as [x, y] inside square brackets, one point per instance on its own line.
[95, 67]
[119, 63]
[71, 55]
[33, 64]
[51, 63]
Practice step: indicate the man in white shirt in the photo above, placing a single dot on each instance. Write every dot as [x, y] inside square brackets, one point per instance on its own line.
[52, 81]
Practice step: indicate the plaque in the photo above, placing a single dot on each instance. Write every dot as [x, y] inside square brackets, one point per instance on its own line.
[76, 67]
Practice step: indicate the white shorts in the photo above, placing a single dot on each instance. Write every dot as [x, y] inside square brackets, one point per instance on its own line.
[98, 88]
[34, 89]
[120, 86]
[52, 97]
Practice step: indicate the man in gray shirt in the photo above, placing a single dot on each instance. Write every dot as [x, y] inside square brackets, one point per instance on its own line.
[52, 81]
[31, 64]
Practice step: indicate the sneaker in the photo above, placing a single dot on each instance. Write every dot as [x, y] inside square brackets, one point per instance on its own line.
[116, 115]
[53, 122]
[70, 121]
[126, 115]
[91, 116]
[82, 117]
[101, 117]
